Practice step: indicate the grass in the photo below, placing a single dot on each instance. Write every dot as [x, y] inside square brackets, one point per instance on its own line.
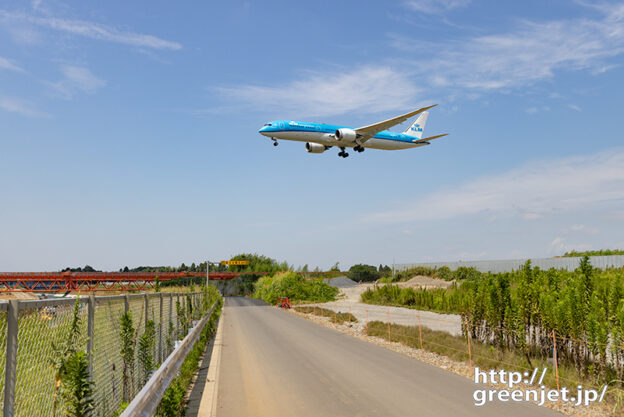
[338, 318]
[483, 355]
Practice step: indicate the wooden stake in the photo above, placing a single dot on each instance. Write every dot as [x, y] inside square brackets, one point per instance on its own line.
[468, 336]
[419, 330]
[555, 359]
[389, 338]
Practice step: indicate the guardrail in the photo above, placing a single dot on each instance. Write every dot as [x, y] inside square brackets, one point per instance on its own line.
[29, 329]
[147, 400]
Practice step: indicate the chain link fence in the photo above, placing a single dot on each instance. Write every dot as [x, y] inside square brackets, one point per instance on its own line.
[27, 346]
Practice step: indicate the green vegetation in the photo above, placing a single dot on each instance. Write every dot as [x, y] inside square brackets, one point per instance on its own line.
[126, 334]
[71, 372]
[365, 273]
[145, 352]
[601, 252]
[258, 263]
[518, 311]
[444, 272]
[77, 386]
[338, 318]
[87, 268]
[438, 300]
[483, 355]
[294, 286]
[368, 273]
[172, 403]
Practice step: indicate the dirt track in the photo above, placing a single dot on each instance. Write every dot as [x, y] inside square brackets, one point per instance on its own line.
[350, 302]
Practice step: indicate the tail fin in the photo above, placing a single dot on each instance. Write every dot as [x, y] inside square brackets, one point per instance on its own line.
[416, 129]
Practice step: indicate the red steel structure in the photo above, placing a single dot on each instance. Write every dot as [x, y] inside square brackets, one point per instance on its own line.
[96, 281]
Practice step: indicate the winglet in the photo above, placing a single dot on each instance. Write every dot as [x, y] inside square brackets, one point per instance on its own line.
[429, 138]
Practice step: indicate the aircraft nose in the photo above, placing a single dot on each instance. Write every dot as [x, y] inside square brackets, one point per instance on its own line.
[264, 130]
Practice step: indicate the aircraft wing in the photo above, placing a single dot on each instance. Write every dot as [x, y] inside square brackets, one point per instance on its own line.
[367, 132]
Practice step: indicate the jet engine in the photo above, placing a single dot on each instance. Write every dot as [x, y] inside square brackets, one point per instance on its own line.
[345, 134]
[315, 147]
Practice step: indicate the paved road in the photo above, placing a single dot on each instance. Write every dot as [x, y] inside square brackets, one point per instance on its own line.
[277, 364]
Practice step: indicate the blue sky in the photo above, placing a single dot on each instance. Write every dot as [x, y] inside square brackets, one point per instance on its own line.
[128, 131]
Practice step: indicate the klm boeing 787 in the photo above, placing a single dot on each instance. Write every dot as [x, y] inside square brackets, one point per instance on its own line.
[319, 137]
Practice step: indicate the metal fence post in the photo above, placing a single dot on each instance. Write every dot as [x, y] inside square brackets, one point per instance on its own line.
[160, 318]
[10, 367]
[146, 300]
[177, 327]
[90, 332]
[170, 322]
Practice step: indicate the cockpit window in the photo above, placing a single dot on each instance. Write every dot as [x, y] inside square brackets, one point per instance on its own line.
[268, 124]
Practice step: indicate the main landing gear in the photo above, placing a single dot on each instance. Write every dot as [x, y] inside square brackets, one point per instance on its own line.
[342, 152]
[274, 141]
[358, 148]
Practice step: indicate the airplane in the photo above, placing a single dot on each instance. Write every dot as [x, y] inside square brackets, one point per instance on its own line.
[320, 137]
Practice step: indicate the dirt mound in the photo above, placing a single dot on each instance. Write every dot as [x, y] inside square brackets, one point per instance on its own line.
[18, 295]
[340, 282]
[421, 281]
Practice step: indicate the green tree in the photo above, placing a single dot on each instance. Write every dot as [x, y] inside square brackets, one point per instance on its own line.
[364, 273]
[145, 351]
[71, 372]
[77, 386]
[126, 334]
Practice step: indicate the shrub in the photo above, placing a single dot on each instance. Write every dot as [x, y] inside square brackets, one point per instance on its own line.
[145, 352]
[72, 375]
[126, 334]
[366, 273]
[412, 272]
[338, 318]
[445, 273]
[78, 387]
[293, 286]
[467, 273]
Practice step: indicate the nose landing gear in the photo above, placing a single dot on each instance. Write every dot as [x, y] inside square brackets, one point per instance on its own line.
[274, 141]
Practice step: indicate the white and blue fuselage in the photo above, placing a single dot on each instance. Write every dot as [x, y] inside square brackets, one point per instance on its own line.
[324, 134]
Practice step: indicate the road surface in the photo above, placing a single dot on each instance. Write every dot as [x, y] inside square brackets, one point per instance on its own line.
[274, 363]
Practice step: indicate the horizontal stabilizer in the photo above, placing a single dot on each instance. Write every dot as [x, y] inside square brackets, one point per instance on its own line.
[429, 138]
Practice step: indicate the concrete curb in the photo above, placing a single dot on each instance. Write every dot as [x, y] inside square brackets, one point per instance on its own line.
[208, 403]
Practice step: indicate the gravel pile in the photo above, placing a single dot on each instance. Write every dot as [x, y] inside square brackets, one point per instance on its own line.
[340, 282]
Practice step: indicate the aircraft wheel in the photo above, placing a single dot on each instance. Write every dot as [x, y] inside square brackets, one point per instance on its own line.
[274, 143]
